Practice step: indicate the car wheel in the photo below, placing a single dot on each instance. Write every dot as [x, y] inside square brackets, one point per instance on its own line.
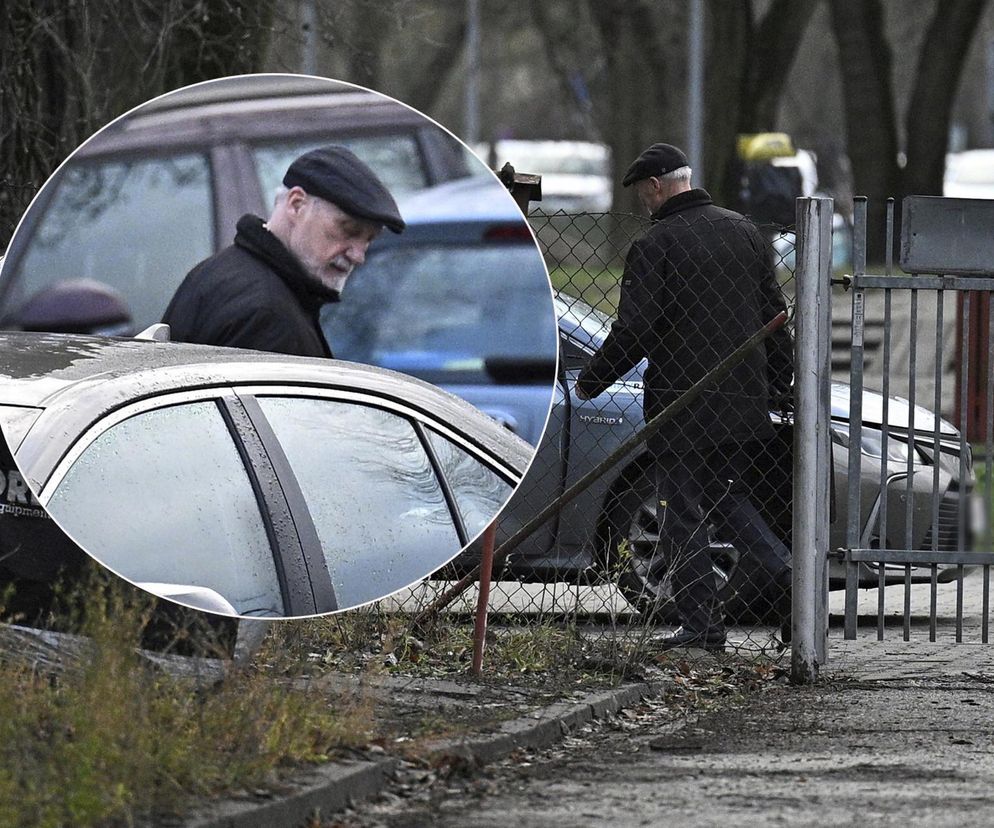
[632, 526]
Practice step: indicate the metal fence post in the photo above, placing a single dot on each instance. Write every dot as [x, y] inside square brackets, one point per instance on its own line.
[812, 446]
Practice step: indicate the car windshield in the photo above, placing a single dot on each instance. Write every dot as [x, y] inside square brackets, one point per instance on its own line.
[395, 159]
[439, 311]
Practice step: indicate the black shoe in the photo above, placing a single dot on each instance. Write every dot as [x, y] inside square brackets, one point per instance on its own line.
[712, 640]
[785, 631]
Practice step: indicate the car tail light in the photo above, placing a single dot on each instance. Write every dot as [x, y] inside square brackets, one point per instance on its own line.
[516, 232]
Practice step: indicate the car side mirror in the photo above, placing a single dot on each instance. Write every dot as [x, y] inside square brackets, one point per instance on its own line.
[198, 597]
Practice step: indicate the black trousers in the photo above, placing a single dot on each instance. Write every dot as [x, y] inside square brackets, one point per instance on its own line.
[701, 487]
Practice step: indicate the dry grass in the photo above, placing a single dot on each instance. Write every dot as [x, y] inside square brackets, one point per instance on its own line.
[110, 739]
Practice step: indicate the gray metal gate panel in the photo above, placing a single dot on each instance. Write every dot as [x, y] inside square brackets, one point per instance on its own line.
[939, 236]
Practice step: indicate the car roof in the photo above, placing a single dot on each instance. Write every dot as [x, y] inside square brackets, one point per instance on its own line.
[82, 378]
[476, 198]
[223, 121]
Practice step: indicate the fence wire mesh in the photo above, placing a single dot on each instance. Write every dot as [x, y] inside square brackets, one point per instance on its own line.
[606, 565]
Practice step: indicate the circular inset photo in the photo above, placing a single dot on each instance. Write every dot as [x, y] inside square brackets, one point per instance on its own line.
[274, 346]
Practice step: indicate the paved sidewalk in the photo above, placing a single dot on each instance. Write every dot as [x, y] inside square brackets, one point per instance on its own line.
[884, 715]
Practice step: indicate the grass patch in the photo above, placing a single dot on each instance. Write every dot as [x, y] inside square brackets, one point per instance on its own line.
[598, 288]
[369, 640]
[111, 740]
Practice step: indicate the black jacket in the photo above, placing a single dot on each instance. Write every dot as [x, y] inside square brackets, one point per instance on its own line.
[252, 294]
[694, 288]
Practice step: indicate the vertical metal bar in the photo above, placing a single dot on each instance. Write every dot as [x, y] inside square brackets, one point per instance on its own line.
[988, 487]
[483, 598]
[909, 490]
[824, 433]
[961, 515]
[855, 415]
[472, 100]
[936, 448]
[809, 618]
[884, 419]
[309, 25]
[695, 90]
[882, 524]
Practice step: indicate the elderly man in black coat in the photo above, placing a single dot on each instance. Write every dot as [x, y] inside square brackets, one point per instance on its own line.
[265, 291]
[694, 288]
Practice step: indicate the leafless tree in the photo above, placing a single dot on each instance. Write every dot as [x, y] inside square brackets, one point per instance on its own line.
[71, 67]
[635, 54]
[871, 114]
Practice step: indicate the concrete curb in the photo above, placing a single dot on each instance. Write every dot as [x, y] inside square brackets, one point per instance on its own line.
[327, 789]
[334, 787]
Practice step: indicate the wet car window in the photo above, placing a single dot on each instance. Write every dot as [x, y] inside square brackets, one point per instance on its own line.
[96, 227]
[439, 311]
[478, 491]
[164, 497]
[377, 505]
[576, 315]
[394, 158]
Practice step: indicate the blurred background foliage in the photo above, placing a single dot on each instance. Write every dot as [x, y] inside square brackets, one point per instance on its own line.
[880, 90]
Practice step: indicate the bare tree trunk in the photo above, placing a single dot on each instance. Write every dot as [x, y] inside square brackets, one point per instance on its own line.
[730, 27]
[221, 37]
[871, 128]
[426, 87]
[747, 72]
[70, 67]
[637, 78]
[773, 46]
[940, 64]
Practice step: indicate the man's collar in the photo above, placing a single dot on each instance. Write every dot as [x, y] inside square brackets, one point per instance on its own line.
[696, 197]
[253, 235]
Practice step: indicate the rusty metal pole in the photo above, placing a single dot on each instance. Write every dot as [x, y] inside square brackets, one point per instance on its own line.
[483, 598]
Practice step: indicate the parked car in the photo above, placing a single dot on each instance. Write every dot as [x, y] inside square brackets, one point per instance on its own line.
[462, 300]
[576, 175]
[969, 174]
[610, 531]
[162, 187]
[242, 482]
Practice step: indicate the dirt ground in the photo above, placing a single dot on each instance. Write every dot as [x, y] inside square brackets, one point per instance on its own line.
[886, 752]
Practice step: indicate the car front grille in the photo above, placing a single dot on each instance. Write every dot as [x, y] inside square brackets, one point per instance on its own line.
[947, 528]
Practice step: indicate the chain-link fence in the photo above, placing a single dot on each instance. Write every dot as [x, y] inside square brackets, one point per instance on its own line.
[695, 527]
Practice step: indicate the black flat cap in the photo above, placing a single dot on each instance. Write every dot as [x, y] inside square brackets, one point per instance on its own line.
[658, 160]
[337, 175]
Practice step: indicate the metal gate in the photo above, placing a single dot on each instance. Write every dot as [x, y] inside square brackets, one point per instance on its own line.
[911, 512]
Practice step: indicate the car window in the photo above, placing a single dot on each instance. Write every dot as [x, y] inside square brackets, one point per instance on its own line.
[97, 227]
[164, 497]
[439, 311]
[394, 158]
[377, 505]
[576, 315]
[478, 491]
[573, 354]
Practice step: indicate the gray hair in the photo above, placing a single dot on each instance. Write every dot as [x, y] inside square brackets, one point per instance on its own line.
[679, 174]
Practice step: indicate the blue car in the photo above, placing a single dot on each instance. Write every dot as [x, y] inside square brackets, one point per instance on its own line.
[460, 299]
